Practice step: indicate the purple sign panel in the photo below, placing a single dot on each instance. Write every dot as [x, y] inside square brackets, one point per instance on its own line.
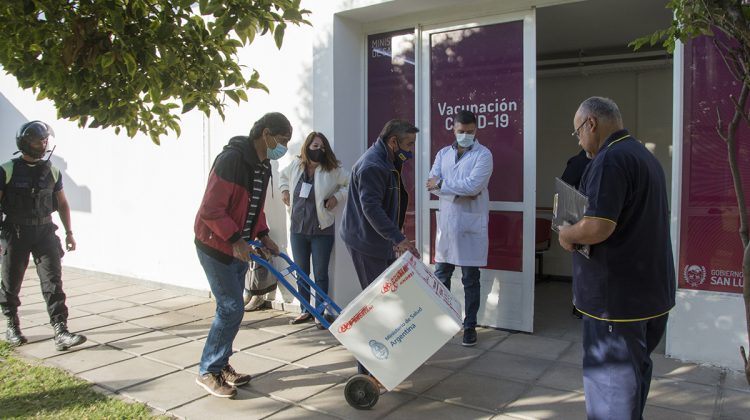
[481, 69]
[390, 94]
[710, 246]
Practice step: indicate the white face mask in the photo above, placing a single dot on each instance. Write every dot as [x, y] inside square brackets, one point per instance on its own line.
[465, 139]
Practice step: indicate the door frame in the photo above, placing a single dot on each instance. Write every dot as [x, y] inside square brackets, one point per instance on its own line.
[490, 314]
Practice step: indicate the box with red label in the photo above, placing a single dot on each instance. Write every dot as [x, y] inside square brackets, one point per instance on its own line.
[399, 321]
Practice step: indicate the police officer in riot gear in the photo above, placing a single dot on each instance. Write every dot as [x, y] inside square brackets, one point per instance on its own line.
[30, 191]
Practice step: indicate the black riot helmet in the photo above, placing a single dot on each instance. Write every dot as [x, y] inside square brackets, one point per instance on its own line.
[30, 132]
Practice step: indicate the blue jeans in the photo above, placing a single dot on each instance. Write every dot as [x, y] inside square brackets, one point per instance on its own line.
[320, 247]
[617, 366]
[227, 282]
[470, 280]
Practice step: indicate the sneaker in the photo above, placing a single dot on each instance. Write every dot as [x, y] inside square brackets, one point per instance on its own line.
[215, 385]
[470, 337]
[233, 378]
[253, 303]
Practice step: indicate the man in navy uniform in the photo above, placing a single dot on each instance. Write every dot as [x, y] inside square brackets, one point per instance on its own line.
[626, 288]
[30, 191]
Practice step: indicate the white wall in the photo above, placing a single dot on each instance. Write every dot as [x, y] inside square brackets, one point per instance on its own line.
[134, 202]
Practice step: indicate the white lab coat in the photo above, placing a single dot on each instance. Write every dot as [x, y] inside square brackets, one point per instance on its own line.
[463, 216]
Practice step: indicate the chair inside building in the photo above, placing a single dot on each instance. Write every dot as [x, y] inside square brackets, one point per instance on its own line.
[543, 243]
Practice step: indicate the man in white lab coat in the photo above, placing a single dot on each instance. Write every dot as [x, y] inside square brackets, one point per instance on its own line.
[459, 176]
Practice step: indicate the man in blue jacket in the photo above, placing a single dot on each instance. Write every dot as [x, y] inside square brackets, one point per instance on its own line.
[376, 205]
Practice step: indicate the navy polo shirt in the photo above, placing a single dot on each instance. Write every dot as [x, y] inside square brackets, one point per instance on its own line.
[630, 276]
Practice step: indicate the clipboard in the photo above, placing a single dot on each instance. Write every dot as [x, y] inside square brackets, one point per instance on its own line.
[568, 207]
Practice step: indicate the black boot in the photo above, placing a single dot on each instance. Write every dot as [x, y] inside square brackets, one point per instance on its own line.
[65, 339]
[13, 333]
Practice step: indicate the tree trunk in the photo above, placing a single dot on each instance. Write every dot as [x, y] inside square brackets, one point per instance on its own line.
[731, 140]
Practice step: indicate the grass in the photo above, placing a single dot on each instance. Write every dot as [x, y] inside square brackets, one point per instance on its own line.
[29, 390]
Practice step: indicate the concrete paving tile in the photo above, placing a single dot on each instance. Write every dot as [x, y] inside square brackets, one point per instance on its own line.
[179, 302]
[115, 332]
[33, 296]
[105, 306]
[98, 286]
[151, 296]
[735, 405]
[683, 396]
[673, 369]
[547, 403]
[194, 330]
[563, 376]
[573, 355]
[37, 333]
[125, 290]
[250, 337]
[201, 311]
[45, 349]
[295, 413]
[472, 390]
[162, 320]
[434, 410]
[335, 360]
[293, 383]
[168, 391]
[88, 358]
[533, 346]
[83, 299]
[451, 356]
[89, 322]
[27, 310]
[129, 372]
[525, 369]
[181, 356]
[658, 413]
[487, 338]
[280, 325]
[255, 316]
[133, 312]
[422, 379]
[74, 313]
[317, 336]
[37, 318]
[736, 380]
[574, 335]
[245, 404]
[332, 401]
[287, 349]
[147, 343]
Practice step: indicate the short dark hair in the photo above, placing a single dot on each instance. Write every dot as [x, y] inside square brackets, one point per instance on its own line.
[275, 122]
[466, 117]
[398, 128]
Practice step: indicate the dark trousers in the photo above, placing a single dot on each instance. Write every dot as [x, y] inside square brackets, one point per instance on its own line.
[470, 279]
[18, 242]
[368, 268]
[617, 366]
[318, 247]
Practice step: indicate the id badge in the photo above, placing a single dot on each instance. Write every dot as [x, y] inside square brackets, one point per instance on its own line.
[304, 191]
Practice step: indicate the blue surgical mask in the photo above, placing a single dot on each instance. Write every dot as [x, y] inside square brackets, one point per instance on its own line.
[277, 152]
[403, 155]
[465, 139]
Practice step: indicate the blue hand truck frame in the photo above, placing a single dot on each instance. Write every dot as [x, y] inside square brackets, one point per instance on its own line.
[361, 391]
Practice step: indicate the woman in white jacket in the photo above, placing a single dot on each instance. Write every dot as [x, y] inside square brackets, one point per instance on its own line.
[312, 186]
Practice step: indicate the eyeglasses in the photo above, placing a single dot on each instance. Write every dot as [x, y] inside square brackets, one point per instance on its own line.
[576, 132]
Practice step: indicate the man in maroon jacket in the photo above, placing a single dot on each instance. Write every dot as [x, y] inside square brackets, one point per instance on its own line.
[231, 214]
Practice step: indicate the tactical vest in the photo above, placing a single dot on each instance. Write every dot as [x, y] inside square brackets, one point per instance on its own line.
[29, 197]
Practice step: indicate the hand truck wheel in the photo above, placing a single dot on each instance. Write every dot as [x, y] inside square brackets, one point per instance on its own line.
[362, 392]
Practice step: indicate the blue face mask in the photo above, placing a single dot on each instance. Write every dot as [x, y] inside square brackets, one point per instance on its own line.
[403, 155]
[277, 152]
[464, 139]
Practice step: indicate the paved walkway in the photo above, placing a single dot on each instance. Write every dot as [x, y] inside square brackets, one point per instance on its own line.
[145, 343]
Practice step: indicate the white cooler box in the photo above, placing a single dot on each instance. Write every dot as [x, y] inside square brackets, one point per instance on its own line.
[399, 321]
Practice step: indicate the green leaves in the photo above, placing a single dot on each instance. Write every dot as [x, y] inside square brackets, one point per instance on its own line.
[135, 64]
